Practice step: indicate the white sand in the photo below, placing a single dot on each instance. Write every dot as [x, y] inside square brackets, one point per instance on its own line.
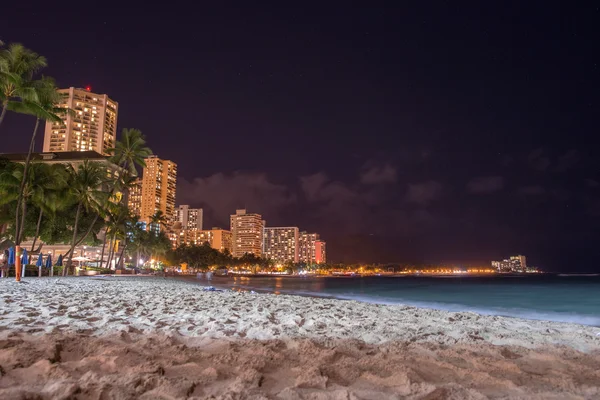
[128, 337]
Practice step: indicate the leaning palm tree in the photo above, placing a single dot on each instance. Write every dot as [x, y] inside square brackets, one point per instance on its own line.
[17, 67]
[49, 193]
[130, 151]
[44, 108]
[85, 188]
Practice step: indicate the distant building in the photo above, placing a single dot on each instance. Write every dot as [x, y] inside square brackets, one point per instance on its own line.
[307, 246]
[219, 239]
[92, 127]
[247, 231]
[519, 262]
[515, 264]
[159, 188]
[189, 218]
[320, 252]
[281, 244]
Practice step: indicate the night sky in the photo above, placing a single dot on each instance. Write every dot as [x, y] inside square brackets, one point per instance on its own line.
[435, 132]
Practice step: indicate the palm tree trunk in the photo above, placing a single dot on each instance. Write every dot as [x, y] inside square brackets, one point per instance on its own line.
[103, 247]
[3, 113]
[111, 250]
[18, 228]
[121, 255]
[22, 226]
[72, 251]
[37, 229]
[86, 234]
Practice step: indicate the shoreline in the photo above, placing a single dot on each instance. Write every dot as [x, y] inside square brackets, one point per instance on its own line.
[155, 338]
[227, 283]
[182, 306]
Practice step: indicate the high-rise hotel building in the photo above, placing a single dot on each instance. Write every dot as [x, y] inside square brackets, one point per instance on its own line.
[281, 244]
[311, 249]
[155, 191]
[189, 218]
[91, 126]
[247, 232]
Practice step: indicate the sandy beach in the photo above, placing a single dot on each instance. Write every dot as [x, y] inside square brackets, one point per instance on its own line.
[154, 338]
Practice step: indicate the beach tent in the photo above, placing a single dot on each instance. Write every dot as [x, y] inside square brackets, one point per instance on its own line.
[40, 264]
[24, 262]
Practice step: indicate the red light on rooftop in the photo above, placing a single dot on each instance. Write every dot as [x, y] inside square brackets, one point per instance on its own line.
[88, 88]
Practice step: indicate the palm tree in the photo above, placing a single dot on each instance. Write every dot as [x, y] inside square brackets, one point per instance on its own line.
[50, 194]
[117, 227]
[44, 108]
[85, 187]
[130, 151]
[17, 66]
[158, 221]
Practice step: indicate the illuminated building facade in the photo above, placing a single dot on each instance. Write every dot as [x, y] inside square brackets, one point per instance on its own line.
[159, 188]
[512, 264]
[219, 239]
[91, 127]
[134, 200]
[247, 230]
[320, 252]
[281, 244]
[189, 218]
[311, 248]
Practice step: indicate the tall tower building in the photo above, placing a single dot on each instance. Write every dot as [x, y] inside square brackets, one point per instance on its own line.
[247, 233]
[92, 126]
[159, 181]
[281, 244]
[190, 218]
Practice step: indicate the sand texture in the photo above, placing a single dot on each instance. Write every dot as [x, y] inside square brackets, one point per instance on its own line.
[127, 338]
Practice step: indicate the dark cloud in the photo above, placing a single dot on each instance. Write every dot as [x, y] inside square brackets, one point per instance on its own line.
[486, 184]
[423, 193]
[532, 190]
[221, 194]
[375, 175]
[318, 188]
[568, 160]
[592, 183]
[538, 159]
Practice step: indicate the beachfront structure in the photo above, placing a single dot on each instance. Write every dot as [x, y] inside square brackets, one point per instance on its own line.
[311, 248]
[189, 218]
[74, 158]
[155, 191]
[281, 244]
[217, 238]
[512, 264]
[247, 232]
[91, 127]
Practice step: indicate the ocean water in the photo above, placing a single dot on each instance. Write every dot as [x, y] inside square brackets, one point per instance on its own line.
[563, 298]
